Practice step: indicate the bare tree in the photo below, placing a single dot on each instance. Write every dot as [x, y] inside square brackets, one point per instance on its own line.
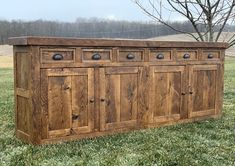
[205, 16]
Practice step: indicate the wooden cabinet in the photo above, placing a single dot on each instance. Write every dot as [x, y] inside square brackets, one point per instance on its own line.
[68, 89]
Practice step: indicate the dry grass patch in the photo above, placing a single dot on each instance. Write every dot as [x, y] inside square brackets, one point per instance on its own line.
[6, 50]
[6, 61]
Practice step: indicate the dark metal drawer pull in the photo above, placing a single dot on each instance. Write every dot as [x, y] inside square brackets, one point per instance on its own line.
[92, 100]
[57, 57]
[102, 100]
[75, 117]
[130, 56]
[160, 56]
[186, 56]
[210, 56]
[96, 57]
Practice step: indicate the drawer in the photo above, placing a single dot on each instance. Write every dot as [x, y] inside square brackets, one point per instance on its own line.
[57, 55]
[96, 55]
[187, 55]
[130, 55]
[210, 55]
[160, 55]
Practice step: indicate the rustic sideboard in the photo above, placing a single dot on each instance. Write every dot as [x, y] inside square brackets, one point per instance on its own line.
[68, 88]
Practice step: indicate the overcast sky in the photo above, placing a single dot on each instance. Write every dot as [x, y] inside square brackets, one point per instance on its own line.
[69, 10]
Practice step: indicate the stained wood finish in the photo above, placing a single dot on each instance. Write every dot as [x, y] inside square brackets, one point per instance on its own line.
[68, 55]
[119, 97]
[160, 55]
[23, 114]
[69, 105]
[203, 82]
[130, 55]
[192, 55]
[167, 93]
[211, 55]
[56, 41]
[22, 69]
[82, 96]
[88, 55]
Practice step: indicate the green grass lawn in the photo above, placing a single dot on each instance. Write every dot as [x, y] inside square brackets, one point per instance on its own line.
[210, 142]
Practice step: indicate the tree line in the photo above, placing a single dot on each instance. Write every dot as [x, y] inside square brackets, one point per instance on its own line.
[90, 28]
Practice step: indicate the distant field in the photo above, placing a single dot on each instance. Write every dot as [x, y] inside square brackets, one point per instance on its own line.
[6, 61]
[6, 50]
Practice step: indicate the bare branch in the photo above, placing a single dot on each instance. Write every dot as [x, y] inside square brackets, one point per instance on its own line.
[205, 16]
[225, 21]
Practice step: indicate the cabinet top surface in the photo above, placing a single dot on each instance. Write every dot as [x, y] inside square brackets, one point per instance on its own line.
[59, 41]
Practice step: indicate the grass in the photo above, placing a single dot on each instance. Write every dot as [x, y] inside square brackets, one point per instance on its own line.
[210, 142]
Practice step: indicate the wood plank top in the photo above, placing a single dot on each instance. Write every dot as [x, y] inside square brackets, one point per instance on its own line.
[59, 41]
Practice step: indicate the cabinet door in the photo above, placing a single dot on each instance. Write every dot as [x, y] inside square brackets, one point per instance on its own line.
[203, 81]
[67, 101]
[167, 93]
[118, 97]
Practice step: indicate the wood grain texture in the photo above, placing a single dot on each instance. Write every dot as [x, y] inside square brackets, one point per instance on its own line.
[56, 41]
[119, 97]
[47, 54]
[166, 92]
[105, 55]
[167, 55]
[203, 83]
[138, 55]
[66, 101]
[59, 103]
[23, 124]
[35, 95]
[193, 55]
[22, 69]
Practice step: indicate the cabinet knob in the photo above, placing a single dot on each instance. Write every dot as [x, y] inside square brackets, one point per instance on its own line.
[66, 88]
[210, 56]
[191, 93]
[57, 57]
[186, 56]
[96, 56]
[92, 100]
[102, 99]
[75, 117]
[160, 56]
[130, 56]
[183, 93]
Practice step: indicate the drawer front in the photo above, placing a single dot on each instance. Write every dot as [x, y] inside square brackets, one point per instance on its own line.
[96, 55]
[160, 55]
[130, 55]
[187, 55]
[57, 55]
[210, 55]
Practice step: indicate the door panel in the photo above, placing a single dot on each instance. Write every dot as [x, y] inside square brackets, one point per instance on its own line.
[119, 97]
[167, 97]
[202, 89]
[66, 96]
[59, 106]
